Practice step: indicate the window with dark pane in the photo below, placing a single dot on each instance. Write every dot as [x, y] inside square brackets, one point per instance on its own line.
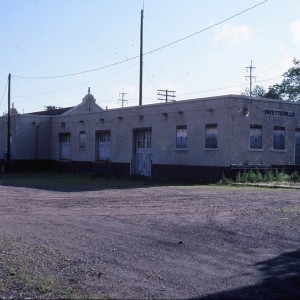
[278, 138]
[82, 139]
[255, 136]
[211, 136]
[181, 137]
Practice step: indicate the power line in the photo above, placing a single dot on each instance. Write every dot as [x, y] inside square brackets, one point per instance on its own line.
[207, 28]
[211, 90]
[146, 53]
[3, 92]
[77, 73]
[227, 87]
[74, 86]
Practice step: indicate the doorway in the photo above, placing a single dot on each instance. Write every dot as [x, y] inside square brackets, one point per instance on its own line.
[142, 153]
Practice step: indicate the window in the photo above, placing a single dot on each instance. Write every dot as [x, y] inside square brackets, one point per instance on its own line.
[64, 146]
[82, 139]
[211, 136]
[143, 139]
[278, 138]
[255, 136]
[103, 146]
[181, 137]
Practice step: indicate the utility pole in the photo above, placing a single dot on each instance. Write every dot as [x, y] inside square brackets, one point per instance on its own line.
[166, 94]
[8, 126]
[250, 76]
[122, 98]
[141, 60]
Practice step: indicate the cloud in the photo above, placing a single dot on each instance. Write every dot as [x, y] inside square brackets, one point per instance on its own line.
[233, 34]
[295, 28]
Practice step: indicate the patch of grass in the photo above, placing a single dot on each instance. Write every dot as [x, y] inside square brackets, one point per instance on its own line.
[23, 277]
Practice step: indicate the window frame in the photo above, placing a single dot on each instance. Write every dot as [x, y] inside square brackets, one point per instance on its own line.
[276, 138]
[64, 138]
[181, 142]
[107, 142]
[210, 143]
[82, 140]
[252, 142]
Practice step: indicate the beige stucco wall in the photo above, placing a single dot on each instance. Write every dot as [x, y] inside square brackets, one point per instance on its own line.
[227, 112]
[30, 137]
[240, 152]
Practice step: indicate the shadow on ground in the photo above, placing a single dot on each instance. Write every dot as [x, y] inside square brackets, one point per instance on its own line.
[67, 182]
[281, 280]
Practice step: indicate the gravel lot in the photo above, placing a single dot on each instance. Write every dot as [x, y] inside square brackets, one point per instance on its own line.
[87, 237]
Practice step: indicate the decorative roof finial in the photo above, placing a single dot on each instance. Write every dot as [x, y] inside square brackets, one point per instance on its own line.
[89, 90]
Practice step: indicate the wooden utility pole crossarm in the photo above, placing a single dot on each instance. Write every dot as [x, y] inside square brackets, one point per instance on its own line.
[166, 95]
[122, 99]
[250, 77]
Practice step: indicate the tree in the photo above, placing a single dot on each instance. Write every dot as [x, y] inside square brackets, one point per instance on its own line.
[289, 88]
[258, 91]
[274, 92]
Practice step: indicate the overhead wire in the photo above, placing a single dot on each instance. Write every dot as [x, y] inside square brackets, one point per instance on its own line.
[148, 52]
[206, 28]
[227, 87]
[3, 92]
[217, 89]
[74, 86]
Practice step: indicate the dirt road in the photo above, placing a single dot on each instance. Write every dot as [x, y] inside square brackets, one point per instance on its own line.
[113, 241]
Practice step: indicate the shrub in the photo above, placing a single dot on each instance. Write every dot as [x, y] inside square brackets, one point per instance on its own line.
[254, 176]
[225, 181]
[250, 176]
[259, 177]
[280, 176]
[268, 176]
[238, 177]
[294, 177]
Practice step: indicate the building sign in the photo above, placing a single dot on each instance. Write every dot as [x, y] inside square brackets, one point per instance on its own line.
[279, 113]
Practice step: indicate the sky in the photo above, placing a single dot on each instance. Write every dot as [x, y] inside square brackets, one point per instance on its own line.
[197, 48]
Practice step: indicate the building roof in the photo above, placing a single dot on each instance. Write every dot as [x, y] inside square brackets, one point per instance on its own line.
[51, 112]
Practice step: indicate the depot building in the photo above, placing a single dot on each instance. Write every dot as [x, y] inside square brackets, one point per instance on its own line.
[198, 139]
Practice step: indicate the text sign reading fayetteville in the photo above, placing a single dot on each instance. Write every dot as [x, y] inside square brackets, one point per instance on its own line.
[279, 113]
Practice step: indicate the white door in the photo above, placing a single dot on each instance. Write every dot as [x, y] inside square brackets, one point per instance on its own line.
[104, 146]
[142, 158]
[65, 146]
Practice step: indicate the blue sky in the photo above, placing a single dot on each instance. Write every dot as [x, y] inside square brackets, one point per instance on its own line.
[57, 37]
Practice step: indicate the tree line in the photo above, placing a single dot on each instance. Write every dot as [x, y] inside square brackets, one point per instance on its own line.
[288, 89]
